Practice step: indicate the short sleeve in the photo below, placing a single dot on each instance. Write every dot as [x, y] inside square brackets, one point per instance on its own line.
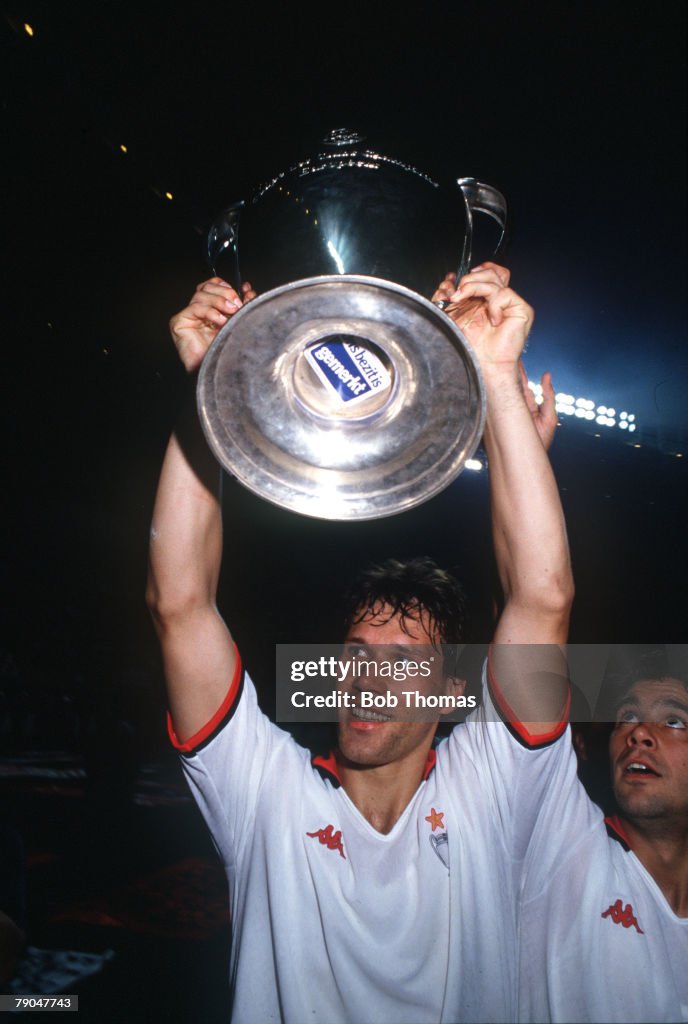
[227, 771]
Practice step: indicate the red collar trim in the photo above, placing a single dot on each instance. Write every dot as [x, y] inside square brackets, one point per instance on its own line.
[613, 822]
[430, 762]
[329, 764]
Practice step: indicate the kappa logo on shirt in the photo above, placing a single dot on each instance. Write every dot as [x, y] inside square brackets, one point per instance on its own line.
[329, 838]
[622, 915]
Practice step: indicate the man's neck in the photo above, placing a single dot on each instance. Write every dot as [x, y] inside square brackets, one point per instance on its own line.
[382, 792]
[663, 851]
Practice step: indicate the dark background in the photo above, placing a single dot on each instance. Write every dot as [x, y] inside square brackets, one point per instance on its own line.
[575, 111]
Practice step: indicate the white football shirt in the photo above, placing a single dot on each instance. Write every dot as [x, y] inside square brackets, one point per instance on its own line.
[334, 922]
[598, 940]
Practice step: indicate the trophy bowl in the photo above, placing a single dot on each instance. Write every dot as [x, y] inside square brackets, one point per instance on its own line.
[342, 392]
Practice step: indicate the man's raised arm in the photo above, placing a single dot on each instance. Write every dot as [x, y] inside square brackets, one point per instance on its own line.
[529, 532]
[199, 657]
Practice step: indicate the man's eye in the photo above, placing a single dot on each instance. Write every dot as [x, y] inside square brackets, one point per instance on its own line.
[624, 717]
[358, 652]
[674, 722]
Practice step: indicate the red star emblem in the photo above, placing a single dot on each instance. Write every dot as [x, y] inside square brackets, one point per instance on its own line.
[436, 819]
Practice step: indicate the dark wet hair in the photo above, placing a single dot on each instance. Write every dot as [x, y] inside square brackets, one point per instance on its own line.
[412, 589]
[646, 663]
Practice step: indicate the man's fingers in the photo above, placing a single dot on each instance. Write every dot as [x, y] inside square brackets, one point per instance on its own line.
[503, 274]
[528, 394]
[501, 302]
[486, 273]
[549, 401]
[222, 291]
[445, 289]
[201, 305]
[208, 314]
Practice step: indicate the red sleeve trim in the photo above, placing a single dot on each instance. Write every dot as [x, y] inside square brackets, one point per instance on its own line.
[223, 713]
[508, 715]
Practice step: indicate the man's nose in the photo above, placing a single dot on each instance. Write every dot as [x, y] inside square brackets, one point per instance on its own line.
[641, 734]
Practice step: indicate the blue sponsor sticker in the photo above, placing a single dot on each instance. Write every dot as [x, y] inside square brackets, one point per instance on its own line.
[352, 372]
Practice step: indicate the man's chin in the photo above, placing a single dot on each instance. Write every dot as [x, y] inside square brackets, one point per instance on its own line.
[638, 806]
[360, 742]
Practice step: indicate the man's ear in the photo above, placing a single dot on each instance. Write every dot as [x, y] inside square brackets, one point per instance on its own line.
[580, 746]
[453, 687]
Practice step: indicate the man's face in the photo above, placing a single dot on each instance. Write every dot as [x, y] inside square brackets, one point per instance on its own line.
[649, 754]
[373, 737]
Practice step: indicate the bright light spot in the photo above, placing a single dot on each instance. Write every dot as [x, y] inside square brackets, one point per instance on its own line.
[475, 464]
[168, 195]
[585, 408]
[335, 256]
[123, 148]
[637, 446]
[631, 428]
[679, 455]
[28, 29]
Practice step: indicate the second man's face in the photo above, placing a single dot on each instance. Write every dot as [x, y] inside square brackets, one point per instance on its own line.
[649, 753]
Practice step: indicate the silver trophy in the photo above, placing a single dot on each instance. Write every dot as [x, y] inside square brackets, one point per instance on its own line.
[341, 391]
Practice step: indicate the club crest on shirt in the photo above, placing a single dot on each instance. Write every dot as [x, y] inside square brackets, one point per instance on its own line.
[329, 838]
[622, 915]
[439, 842]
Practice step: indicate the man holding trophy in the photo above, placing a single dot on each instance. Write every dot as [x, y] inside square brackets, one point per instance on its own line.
[379, 884]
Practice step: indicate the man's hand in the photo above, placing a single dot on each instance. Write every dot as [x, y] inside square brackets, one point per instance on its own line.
[495, 320]
[194, 328]
[544, 415]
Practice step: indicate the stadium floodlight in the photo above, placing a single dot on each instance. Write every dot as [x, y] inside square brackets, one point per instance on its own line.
[585, 409]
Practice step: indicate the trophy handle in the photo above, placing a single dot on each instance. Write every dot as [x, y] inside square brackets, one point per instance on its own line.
[223, 240]
[481, 198]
